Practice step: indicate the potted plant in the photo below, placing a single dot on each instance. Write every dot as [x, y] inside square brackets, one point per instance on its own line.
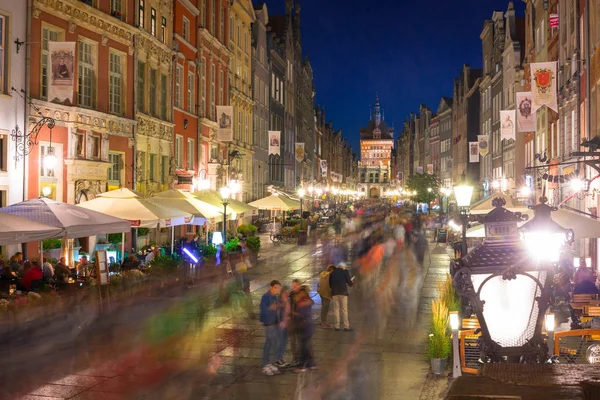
[439, 346]
[253, 244]
[247, 230]
[52, 248]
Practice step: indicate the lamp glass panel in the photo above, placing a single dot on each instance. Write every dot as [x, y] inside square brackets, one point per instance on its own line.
[545, 246]
[463, 195]
[510, 309]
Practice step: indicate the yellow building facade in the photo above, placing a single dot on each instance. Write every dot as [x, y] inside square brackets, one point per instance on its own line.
[241, 151]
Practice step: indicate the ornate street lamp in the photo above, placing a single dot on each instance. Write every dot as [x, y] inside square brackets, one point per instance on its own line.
[301, 193]
[24, 142]
[463, 194]
[225, 195]
[507, 281]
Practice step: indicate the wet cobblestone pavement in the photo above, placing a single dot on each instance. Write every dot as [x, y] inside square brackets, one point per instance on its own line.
[220, 357]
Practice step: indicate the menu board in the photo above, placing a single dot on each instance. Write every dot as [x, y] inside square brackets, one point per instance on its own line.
[102, 272]
[442, 235]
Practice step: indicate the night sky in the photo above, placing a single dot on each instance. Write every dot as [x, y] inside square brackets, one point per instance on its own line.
[408, 51]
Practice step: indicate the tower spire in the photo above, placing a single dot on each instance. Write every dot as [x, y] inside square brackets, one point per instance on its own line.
[377, 110]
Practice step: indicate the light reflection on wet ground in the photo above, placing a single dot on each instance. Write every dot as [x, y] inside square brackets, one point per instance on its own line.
[214, 350]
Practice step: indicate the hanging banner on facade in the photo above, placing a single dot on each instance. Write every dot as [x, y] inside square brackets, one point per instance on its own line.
[484, 144]
[299, 152]
[62, 81]
[473, 152]
[323, 168]
[225, 120]
[553, 20]
[525, 116]
[333, 176]
[275, 142]
[543, 86]
[430, 169]
[420, 169]
[507, 124]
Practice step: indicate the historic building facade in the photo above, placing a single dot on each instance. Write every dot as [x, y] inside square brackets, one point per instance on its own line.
[93, 136]
[277, 67]
[154, 66]
[242, 148]
[215, 26]
[13, 106]
[513, 151]
[465, 124]
[185, 95]
[261, 97]
[444, 114]
[374, 167]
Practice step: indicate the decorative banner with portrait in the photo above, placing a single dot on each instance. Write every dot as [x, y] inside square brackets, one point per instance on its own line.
[473, 152]
[225, 121]
[484, 144]
[525, 116]
[543, 85]
[299, 152]
[323, 164]
[430, 169]
[507, 124]
[275, 142]
[61, 85]
[420, 169]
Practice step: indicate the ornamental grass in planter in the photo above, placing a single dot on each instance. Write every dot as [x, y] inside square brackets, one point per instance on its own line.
[439, 346]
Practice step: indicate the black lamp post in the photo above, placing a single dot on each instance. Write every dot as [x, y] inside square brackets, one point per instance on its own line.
[225, 194]
[463, 193]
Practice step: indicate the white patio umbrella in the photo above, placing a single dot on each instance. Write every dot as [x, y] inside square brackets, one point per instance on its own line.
[75, 221]
[126, 204]
[16, 230]
[485, 206]
[235, 206]
[184, 201]
[276, 202]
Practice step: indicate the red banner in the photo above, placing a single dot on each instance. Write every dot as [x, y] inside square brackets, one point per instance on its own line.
[134, 223]
[553, 20]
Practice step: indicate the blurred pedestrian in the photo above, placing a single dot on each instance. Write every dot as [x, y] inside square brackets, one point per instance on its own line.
[339, 281]
[324, 290]
[284, 317]
[292, 331]
[269, 317]
[305, 329]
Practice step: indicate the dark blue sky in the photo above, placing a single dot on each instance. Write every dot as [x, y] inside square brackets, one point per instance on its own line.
[408, 51]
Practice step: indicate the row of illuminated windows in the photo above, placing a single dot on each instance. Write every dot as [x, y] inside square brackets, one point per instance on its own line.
[161, 34]
[189, 150]
[152, 91]
[445, 145]
[153, 168]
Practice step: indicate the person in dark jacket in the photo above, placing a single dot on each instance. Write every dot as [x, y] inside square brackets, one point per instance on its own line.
[269, 317]
[339, 281]
[305, 328]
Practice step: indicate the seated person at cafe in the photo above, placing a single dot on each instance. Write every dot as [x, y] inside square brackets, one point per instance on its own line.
[32, 276]
[61, 271]
[16, 263]
[130, 263]
[47, 271]
[152, 255]
[83, 267]
[584, 274]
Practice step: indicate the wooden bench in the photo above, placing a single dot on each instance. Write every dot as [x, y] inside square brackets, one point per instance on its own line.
[470, 324]
[591, 311]
[581, 300]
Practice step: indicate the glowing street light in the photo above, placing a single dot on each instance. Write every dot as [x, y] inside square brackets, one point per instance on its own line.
[225, 196]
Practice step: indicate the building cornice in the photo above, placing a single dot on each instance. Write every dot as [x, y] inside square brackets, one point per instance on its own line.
[78, 13]
[154, 47]
[84, 118]
[181, 39]
[191, 8]
[213, 41]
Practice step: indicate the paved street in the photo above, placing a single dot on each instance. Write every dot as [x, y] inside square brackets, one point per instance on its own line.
[382, 359]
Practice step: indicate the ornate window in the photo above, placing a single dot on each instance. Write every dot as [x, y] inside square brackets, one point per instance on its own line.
[87, 78]
[115, 90]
